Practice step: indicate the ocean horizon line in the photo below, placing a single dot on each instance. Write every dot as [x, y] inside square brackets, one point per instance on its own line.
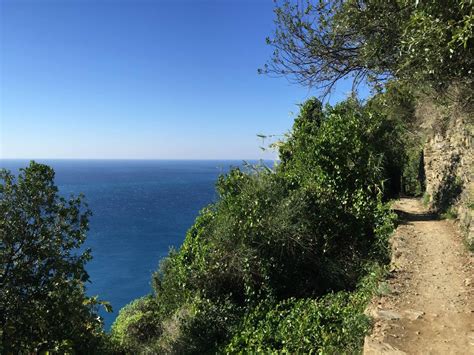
[147, 159]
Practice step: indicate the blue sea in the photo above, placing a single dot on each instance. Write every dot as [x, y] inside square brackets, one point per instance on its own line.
[141, 209]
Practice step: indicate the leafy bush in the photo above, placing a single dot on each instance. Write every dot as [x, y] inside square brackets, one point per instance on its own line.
[330, 324]
[334, 323]
[136, 325]
[207, 326]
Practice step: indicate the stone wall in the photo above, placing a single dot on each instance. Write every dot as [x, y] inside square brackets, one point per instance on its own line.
[449, 162]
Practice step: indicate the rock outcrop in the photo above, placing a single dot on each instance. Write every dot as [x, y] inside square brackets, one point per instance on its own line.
[449, 161]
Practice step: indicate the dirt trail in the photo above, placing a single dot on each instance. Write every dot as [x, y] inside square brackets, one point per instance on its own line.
[427, 306]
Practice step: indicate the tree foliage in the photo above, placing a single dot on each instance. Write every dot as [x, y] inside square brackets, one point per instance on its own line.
[42, 274]
[316, 43]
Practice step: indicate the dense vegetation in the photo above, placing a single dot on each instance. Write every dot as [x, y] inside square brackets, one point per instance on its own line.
[278, 257]
[42, 274]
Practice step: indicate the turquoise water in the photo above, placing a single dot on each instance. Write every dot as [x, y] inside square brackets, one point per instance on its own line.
[141, 208]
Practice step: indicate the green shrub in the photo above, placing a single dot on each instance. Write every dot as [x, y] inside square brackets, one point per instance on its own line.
[136, 325]
[328, 325]
[335, 323]
[209, 325]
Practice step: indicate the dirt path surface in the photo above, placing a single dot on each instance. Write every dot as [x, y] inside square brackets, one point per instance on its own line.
[426, 305]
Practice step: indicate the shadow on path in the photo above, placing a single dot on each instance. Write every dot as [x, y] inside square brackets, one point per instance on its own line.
[406, 217]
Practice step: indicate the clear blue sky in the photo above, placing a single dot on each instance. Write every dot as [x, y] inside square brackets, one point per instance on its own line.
[139, 79]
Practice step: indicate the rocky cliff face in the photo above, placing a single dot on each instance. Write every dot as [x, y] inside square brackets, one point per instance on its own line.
[448, 161]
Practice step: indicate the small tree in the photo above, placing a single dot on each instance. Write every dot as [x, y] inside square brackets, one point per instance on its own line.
[42, 274]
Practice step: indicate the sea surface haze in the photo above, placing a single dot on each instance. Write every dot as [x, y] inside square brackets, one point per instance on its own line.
[141, 209]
